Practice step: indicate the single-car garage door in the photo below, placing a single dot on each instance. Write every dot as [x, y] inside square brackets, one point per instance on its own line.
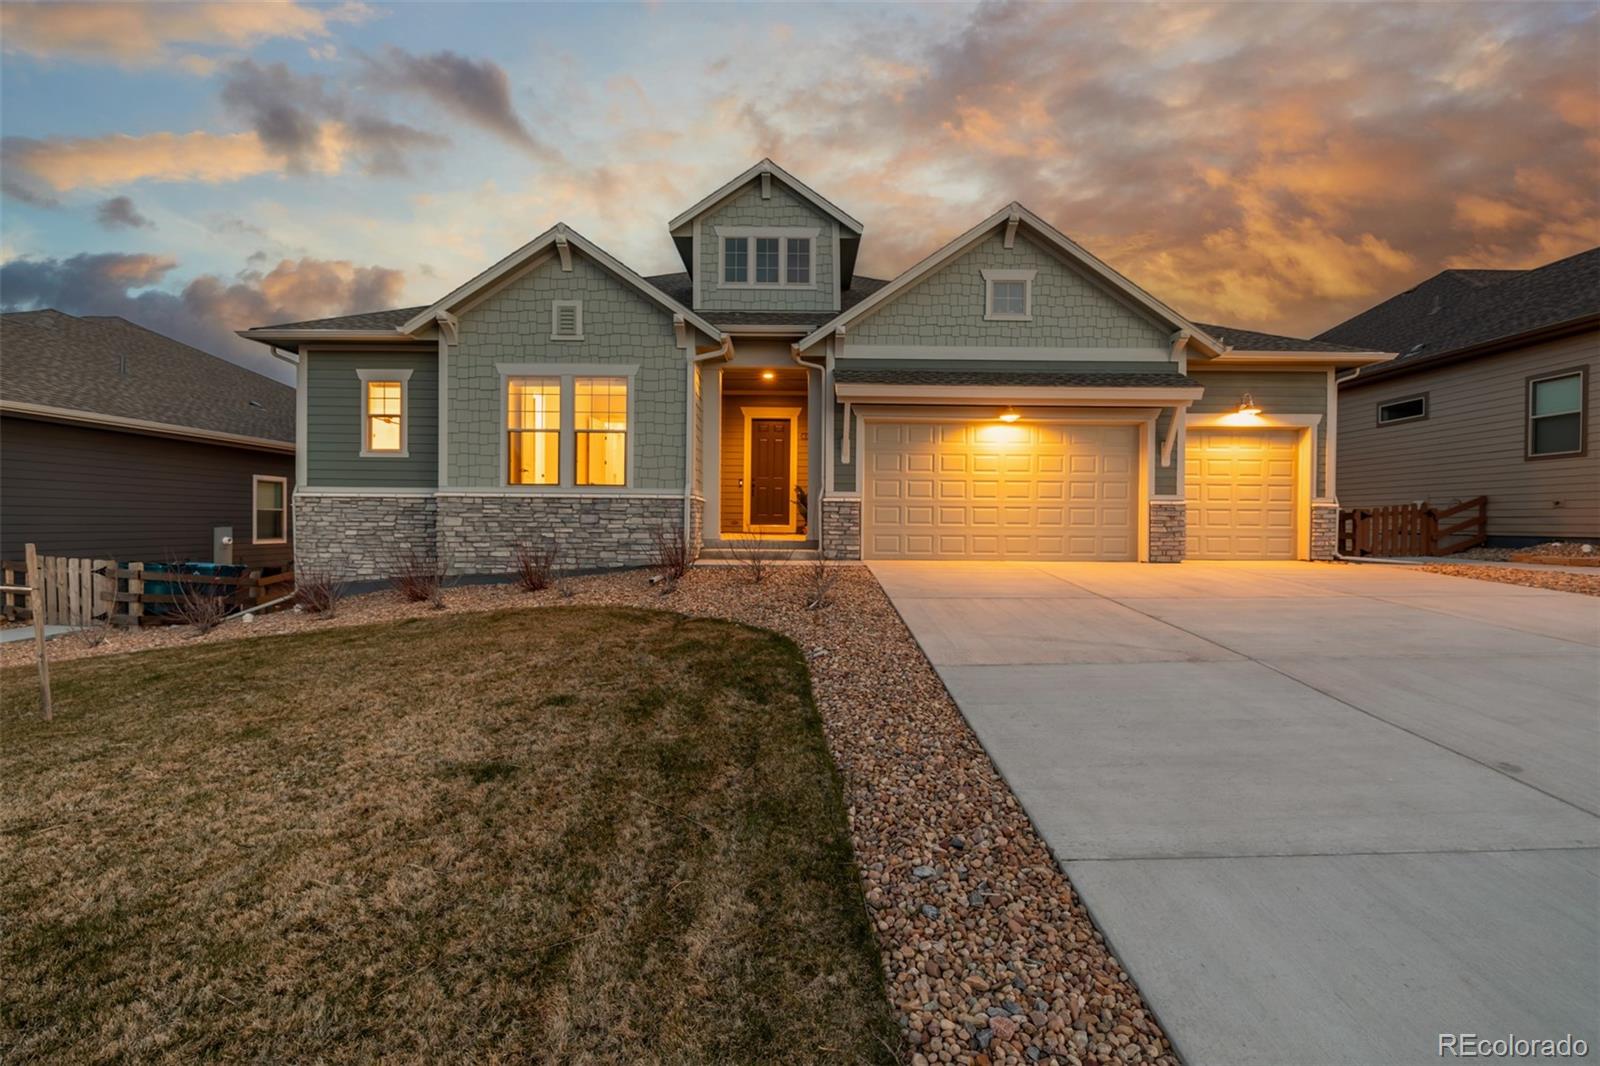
[1240, 488]
[984, 490]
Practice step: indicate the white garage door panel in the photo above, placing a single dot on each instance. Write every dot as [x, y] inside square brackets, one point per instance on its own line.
[1240, 487]
[987, 491]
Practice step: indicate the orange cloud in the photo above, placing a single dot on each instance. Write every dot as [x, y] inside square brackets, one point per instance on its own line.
[103, 162]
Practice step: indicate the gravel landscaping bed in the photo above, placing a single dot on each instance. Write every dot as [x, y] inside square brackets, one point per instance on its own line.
[989, 954]
[1586, 584]
[1563, 549]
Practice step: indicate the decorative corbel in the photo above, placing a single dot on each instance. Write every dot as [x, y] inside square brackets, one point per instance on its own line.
[449, 327]
[1172, 434]
[1012, 221]
[680, 327]
[564, 249]
[1180, 341]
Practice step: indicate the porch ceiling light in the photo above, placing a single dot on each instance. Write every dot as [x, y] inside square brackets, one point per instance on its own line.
[1248, 405]
[1010, 414]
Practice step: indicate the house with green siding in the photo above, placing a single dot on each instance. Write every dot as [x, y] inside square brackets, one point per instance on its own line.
[1008, 397]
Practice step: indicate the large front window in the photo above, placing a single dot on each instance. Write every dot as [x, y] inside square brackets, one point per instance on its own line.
[533, 431]
[1555, 415]
[600, 409]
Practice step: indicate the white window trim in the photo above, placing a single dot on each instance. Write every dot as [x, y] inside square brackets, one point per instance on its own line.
[1406, 418]
[784, 234]
[568, 436]
[992, 276]
[555, 320]
[255, 537]
[404, 378]
[1582, 411]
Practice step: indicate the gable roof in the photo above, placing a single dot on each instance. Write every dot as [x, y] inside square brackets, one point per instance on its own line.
[680, 287]
[767, 166]
[1458, 310]
[1053, 238]
[107, 366]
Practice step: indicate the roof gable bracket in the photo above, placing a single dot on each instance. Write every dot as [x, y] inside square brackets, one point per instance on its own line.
[1180, 341]
[565, 251]
[766, 184]
[449, 326]
[1012, 221]
[1171, 438]
[680, 330]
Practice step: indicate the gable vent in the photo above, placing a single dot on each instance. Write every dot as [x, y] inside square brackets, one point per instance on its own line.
[567, 320]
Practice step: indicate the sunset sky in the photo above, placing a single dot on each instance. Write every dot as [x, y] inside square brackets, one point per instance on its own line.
[202, 168]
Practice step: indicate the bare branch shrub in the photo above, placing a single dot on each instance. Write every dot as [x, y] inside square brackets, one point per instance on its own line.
[420, 577]
[671, 552]
[318, 591]
[755, 557]
[821, 577]
[536, 565]
[200, 605]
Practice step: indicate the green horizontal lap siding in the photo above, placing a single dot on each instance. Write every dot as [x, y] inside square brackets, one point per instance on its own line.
[1070, 309]
[620, 325]
[784, 210]
[333, 421]
[1278, 392]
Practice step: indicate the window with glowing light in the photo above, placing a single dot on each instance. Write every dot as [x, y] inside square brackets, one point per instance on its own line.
[384, 413]
[600, 426]
[533, 431]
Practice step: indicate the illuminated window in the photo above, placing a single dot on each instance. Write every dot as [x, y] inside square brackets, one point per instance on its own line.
[1555, 415]
[533, 431]
[600, 422]
[271, 511]
[383, 412]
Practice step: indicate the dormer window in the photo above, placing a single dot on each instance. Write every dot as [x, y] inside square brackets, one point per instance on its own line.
[755, 257]
[1008, 295]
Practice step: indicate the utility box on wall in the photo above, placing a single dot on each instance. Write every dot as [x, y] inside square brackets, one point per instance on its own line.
[222, 544]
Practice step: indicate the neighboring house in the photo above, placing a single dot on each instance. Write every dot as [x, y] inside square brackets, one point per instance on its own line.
[117, 442]
[1009, 397]
[1490, 396]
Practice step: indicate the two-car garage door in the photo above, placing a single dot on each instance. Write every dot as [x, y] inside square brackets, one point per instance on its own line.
[985, 490]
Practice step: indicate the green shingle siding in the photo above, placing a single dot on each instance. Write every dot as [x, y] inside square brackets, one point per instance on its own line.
[1279, 392]
[333, 422]
[784, 210]
[620, 326]
[1070, 310]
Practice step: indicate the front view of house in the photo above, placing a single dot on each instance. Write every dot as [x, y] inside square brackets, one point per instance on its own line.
[1009, 397]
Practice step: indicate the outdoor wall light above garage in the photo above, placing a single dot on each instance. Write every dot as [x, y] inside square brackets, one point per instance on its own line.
[1010, 414]
[1248, 405]
[767, 375]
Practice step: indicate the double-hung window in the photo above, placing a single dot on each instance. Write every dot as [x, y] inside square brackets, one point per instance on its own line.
[270, 506]
[533, 431]
[799, 261]
[1556, 414]
[383, 412]
[600, 425]
[736, 260]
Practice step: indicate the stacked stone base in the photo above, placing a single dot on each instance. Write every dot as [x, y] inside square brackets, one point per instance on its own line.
[360, 537]
[841, 528]
[1169, 531]
[1324, 530]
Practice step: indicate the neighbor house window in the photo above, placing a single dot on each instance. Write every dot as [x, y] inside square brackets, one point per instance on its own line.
[566, 320]
[754, 256]
[271, 509]
[736, 260]
[1008, 294]
[766, 260]
[1408, 409]
[383, 412]
[1555, 414]
[600, 424]
[533, 431]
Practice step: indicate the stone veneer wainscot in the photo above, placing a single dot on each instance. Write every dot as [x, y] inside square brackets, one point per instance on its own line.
[356, 537]
[841, 527]
[1169, 523]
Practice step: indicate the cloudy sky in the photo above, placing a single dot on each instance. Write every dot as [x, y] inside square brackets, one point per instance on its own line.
[200, 168]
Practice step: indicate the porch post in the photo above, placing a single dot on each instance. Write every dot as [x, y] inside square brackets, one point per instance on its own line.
[711, 425]
[816, 453]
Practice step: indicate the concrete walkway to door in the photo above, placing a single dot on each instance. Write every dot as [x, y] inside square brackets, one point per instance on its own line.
[1323, 813]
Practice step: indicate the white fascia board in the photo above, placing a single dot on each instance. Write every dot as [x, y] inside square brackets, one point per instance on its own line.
[544, 241]
[140, 425]
[1075, 395]
[268, 335]
[767, 166]
[1308, 360]
[1052, 237]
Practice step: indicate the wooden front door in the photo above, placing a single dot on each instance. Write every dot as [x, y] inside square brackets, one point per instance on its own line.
[769, 472]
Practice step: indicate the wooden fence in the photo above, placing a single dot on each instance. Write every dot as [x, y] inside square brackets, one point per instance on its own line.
[1414, 528]
[81, 592]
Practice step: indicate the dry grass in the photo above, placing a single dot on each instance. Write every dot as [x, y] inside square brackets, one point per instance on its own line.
[586, 834]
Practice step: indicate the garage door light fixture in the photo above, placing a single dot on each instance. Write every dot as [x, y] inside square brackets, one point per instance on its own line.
[1009, 415]
[1248, 406]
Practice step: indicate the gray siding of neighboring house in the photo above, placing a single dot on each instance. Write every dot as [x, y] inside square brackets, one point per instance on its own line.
[785, 209]
[333, 421]
[97, 493]
[1473, 443]
[1070, 308]
[621, 326]
[1279, 392]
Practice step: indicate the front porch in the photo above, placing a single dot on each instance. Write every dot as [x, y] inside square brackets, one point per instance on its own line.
[761, 446]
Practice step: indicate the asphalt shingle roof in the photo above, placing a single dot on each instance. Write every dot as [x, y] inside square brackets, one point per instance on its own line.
[1249, 340]
[110, 366]
[1010, 378]
[1460, 309]
[377, 320]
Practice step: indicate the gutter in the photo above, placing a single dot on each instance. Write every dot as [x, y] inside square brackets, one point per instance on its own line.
[140, 425]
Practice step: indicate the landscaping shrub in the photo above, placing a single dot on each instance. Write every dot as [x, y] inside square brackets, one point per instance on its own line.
[200, 606]
[671, 552]
[756, 557]
[821, 576]
[536, 566]
[318, 591]
[419, 577]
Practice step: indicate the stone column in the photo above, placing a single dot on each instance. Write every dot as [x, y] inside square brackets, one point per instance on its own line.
[1169, 531]
[841, 527]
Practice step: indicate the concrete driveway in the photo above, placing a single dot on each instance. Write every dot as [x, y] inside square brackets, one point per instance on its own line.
[1324, 814]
